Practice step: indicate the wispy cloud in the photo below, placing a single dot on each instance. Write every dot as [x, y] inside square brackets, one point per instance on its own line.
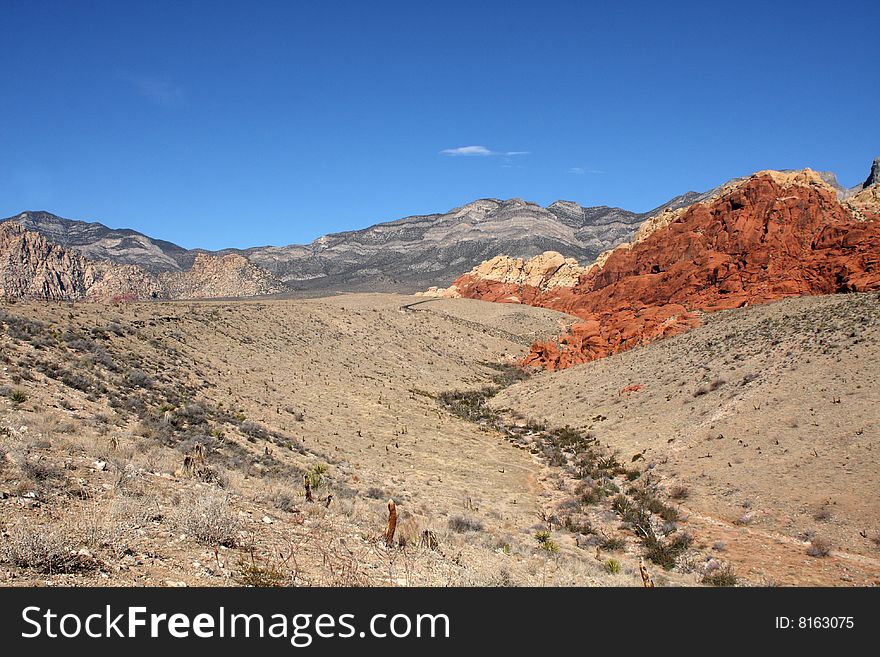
[478, 151]
[582, 171]
[159, 91]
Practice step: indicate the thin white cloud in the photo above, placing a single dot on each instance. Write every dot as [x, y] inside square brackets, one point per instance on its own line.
[478, 151]
[159, 91]
[468, 151]
[582, 171]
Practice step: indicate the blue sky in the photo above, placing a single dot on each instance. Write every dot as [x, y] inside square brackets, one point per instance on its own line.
[236, 124]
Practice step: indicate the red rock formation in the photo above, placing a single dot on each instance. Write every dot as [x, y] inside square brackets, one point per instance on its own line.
[762, 240]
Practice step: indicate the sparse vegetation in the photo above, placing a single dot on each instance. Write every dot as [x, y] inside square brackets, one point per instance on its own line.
[211, 521]
[93, 433]
[721, 576]
[679, 492]
[463, 524]
[819, 547]
[50, 550]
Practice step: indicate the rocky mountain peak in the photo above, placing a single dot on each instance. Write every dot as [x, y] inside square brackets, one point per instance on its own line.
[873, 177]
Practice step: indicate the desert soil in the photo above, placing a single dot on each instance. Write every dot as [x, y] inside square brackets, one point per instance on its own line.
[761, 424]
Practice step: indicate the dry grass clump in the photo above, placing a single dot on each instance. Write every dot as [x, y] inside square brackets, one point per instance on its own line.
[720, 576]
[48, 550]
[210, 521]
[463, 524]
[819, 547]
[679, 492]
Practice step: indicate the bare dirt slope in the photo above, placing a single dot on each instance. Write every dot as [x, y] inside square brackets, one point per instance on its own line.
[166, 444]
[764, 421]
[102, 404]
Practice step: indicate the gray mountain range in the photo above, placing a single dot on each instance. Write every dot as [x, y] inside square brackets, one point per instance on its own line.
[403, 255]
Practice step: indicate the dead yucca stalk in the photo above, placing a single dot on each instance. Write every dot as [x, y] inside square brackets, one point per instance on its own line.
[307, 485]
[392, 523]
[429, 540]
[647, 582]
[194, 461]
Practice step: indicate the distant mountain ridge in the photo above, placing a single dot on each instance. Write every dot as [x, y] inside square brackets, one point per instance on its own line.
[403, 255]
[98, 242]
[33, 267]
[400, 255]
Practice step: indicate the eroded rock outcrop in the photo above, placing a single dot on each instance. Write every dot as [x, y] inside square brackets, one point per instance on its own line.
[32, 267]
[773, 235]
[541, 273]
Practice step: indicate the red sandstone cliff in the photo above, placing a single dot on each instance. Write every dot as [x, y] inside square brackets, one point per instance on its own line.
[770, 236]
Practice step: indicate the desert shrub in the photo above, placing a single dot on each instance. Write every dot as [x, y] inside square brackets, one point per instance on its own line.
[665, 553]
[723, 576]
[115, 328]
[375, 493]
[17, 396]
[823, 514]
[45, 549]
[819, 547]
[253, 429]
[193, 413]
[286, 502]
[612, 566]
[40, 470]
[577, 526]
[657, 506]
[138, 510]
[622, 505]
[509, 374]
[613, 544]
[261, 575]
[470, 404]
[593, 494]
[679, 492]
[76, 381]
[211, 521]
[137, 378]
[462, 524]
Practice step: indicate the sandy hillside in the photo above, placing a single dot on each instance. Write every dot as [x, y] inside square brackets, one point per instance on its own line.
[763, 421]
[166, 444]
[101, 404]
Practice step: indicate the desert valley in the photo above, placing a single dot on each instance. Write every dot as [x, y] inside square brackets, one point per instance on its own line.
[550, 396]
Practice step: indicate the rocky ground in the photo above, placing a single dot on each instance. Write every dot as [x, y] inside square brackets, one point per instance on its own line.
[166, 444]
